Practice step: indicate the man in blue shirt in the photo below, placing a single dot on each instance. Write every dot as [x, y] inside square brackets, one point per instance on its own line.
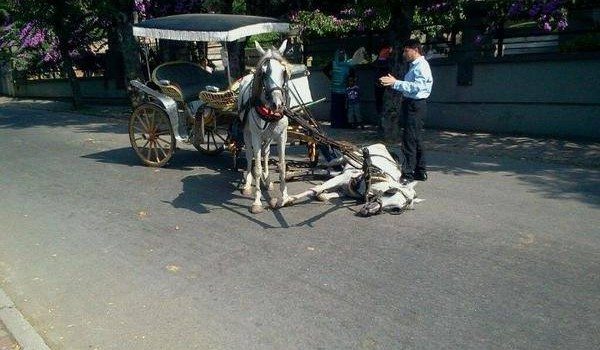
[415, 88]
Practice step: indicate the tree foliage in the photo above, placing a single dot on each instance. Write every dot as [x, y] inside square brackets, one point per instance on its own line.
[431, 16]
[44, 35]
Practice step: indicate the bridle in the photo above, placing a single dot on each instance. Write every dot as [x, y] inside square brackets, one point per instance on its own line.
[264, 85]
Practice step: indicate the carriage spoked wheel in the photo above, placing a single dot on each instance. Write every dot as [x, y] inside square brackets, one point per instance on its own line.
[151, 134]
[209, 136]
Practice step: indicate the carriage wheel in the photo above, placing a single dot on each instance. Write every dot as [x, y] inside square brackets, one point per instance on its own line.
[215, 136]
[151, 134]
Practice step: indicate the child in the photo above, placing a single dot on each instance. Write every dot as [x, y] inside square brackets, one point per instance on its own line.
[352, 102]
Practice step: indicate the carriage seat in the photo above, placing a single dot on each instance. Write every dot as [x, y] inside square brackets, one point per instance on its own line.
[183, 80]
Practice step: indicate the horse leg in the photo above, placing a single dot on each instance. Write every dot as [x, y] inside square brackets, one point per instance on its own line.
[256, 173]
[247, 189]
[326, 196]
[316, 191]
[265, 174]
[282, 183]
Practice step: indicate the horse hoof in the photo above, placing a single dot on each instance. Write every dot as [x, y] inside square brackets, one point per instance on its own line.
[275, 203]
[322, 198]
[247, 191]
[256, 209]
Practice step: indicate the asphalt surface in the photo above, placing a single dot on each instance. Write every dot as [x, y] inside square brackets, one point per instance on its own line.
[98, 251]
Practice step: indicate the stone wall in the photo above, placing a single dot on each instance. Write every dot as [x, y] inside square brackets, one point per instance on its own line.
[91, 88]
[539, 95]
[548, 95]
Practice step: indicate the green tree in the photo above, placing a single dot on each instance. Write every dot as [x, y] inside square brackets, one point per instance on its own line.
[69, 21]
[123, 47]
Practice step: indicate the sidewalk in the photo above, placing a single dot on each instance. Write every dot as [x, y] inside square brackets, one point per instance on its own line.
[6, 341]
[15, 330]
[548, 150]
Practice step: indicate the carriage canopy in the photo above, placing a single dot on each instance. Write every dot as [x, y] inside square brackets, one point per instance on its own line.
[208, 27]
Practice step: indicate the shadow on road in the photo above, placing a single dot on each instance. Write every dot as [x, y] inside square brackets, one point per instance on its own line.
[183, 159]
[26, 118]
[202, 193]
[551, 181]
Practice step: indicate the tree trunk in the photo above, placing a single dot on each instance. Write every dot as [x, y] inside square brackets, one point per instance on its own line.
[67, 66]
[400, 29]
[129, 49]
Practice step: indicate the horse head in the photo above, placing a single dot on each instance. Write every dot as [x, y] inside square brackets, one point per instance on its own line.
[271, 77]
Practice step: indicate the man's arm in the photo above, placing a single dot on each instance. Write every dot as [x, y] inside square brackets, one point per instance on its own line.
[423, 81]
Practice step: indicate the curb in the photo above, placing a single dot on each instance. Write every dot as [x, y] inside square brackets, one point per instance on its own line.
[18, 327]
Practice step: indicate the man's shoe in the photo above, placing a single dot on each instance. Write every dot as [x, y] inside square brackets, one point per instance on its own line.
[405, 179]
[420, 175]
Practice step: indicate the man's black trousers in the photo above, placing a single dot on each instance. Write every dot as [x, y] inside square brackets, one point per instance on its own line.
[413, 113]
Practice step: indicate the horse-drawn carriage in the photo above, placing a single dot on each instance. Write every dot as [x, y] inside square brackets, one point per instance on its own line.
[183, 102]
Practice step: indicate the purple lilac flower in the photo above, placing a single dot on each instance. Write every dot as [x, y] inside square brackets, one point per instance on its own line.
[31, 37]
[547, 27]
[24, 32]
[140, 7]
[51, 56]
[562, 24]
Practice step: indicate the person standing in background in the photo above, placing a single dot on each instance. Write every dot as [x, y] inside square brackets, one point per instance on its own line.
[337, 71]
[382, 68]
[353, 103]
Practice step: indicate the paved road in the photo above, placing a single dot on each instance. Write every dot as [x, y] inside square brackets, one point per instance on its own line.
[99, 252]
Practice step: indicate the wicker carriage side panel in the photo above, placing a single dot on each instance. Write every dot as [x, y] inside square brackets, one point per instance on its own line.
[225, 100]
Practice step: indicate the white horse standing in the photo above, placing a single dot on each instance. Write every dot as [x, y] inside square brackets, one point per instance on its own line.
[263, 97]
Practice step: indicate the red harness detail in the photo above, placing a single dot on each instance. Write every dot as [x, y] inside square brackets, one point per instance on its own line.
[267, 114]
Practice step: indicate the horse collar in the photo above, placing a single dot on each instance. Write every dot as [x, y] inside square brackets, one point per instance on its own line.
[268, 114]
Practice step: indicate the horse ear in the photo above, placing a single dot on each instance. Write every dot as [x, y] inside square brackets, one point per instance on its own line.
[259, 48]
[281, 48]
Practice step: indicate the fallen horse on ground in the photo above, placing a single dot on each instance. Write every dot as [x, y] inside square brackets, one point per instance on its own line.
[376, 181]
